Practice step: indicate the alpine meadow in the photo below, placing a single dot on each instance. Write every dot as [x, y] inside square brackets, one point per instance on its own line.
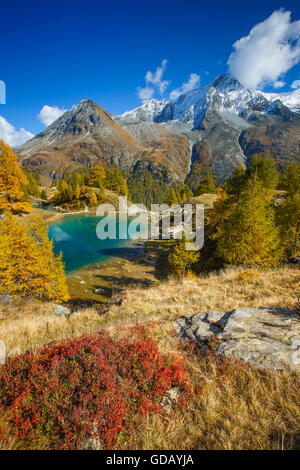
[150, 229]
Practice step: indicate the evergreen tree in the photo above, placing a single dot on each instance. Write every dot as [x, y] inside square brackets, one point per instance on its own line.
[188, 193]
[144, 189]
[265, 169]
[28, 266]
[237, 183]
[65, 193]
[195, 177]
[32, 187]
[172, 197]
[207, 184]
[115, 181]
[250, 235]
[101, 194]
[97, 176]
[77, 179]
[92, 199]
[181, 258]
[12, 182]
[290, 179]
[288, 218]
[44, 195]
[222, 208]
[178, 195]
[123, 189]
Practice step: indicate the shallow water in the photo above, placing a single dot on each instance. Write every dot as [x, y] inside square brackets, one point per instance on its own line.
[75, 236]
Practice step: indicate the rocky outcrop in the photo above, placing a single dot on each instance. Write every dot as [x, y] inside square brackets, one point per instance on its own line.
[84, 136]
[220, 125]
[88, 135]
[276, 134]
[163, 149]
[227, 124]
[61, 311]
[264, 337]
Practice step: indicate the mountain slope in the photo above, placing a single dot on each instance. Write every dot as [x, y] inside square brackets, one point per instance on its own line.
[227, 124]
[218, 125]
[84, 135]
[87, 135]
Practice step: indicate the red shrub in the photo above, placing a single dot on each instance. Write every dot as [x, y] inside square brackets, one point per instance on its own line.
[92, 386]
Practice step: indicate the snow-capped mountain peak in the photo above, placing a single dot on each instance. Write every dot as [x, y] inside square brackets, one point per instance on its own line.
[225, 93]
[290, 99]
[147, 111]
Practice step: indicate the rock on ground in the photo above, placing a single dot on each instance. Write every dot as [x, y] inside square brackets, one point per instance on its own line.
[92, 444]
[6, 299]
[59, 310]
[265, 337]
[170, 398]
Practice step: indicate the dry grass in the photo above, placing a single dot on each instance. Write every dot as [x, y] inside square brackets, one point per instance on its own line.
[239, 409]
[32, 324]
[207, 199]
[221, 291]
[233, 407]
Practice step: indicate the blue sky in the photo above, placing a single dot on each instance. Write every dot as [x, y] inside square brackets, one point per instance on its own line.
[55, 53]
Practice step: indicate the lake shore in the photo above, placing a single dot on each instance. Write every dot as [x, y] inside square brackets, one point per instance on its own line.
[139, 263]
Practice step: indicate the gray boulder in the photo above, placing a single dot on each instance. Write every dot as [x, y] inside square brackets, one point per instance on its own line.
[265, 337]
[170, 398]
[91, 444]
[60, 311]
[6, 299]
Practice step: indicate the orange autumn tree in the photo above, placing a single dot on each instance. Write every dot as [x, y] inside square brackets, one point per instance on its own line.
[12, 182]
[92, 199]
[28, 266]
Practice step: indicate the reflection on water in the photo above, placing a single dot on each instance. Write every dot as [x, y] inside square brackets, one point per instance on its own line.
[75, 236]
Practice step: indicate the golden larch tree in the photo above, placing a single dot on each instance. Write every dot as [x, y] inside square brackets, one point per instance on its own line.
[12, 182]
[28, 265]
[250, 235]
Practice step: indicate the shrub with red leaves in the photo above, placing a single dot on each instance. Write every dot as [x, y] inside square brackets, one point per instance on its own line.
[57, 397]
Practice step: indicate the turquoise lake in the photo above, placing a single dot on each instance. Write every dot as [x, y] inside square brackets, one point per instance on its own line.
[75, 236]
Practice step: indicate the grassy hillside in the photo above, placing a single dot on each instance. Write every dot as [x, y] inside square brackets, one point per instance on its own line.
[231, 406]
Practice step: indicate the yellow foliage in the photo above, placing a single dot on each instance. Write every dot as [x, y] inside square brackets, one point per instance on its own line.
[12, 182]
[250, 235]
[247, 275]
[92, 198]
[28, 266]
[219, 192]
[97, 176]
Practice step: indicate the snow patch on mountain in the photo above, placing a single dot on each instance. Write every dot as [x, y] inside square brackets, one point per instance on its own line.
[146, 112]
[290, 99]
[223, 94]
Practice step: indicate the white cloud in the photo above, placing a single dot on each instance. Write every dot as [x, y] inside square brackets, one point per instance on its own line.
[192, 83]
[295, 84]
[278, 84]
[268, 52]
[145, 93]
[49, 114]
[155, 79]
[11, 136]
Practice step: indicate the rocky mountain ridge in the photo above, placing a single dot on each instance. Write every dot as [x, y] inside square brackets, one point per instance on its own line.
[218, 125]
